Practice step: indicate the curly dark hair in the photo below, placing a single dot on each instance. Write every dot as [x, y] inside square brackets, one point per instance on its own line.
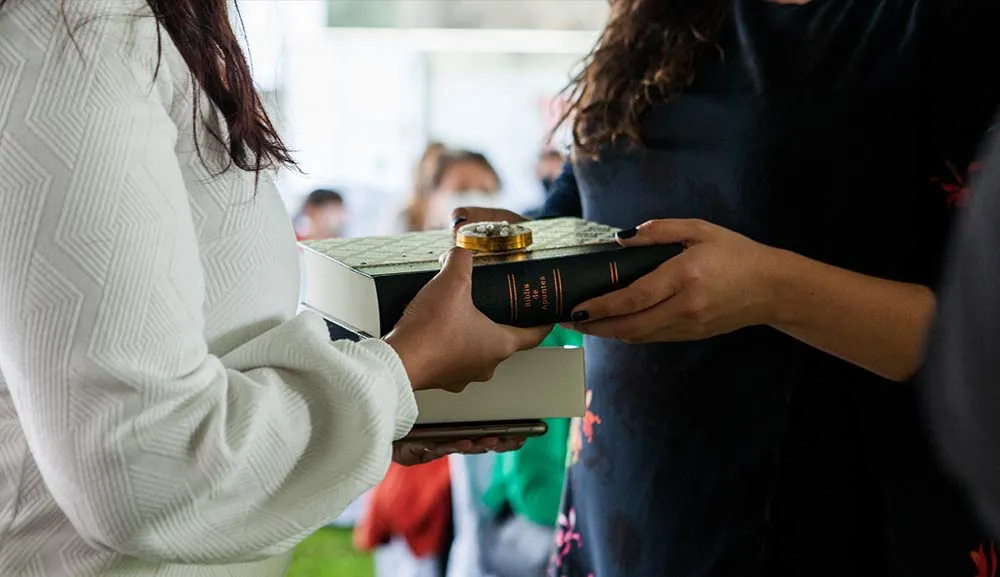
[646, 54]
[202, 32]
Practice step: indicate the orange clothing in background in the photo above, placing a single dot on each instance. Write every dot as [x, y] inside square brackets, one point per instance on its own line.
[413, 503]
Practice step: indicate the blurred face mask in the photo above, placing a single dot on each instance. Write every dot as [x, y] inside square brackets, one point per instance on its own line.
[333, 221]
[444, 204]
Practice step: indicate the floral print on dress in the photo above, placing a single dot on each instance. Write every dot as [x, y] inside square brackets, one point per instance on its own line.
[580, 429]
[956, 186]
[566, 535]
[986, 561]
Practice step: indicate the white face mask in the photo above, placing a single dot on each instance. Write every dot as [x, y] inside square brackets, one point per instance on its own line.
[443, 205]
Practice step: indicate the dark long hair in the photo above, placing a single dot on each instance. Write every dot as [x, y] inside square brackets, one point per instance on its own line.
[202, 32]
[646, 53]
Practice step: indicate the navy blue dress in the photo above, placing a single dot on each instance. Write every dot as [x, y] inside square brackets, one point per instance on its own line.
[841, 130]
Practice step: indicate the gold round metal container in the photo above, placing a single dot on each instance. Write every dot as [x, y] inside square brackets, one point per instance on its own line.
[487, 237]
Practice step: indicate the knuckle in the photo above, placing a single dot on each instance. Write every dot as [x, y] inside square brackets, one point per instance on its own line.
[695, 308]
[700, 225]
[635, 300]
[693, 273]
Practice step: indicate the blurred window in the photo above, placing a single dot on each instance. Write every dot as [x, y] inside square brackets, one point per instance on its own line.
[470, 14]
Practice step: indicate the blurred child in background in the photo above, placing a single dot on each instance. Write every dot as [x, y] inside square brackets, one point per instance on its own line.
[549, 167]
[525, 494]
[413, 216]
[461, 178]
[505, 505]
[323, 215]
[547, 170]
[408, 521]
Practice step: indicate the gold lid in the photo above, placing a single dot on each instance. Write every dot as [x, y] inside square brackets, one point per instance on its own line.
[493, 237]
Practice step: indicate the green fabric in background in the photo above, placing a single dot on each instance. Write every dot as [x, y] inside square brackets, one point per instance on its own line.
[560, 337]
[531, 480]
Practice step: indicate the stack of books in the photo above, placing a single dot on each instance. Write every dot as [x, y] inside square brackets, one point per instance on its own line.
[362, 285]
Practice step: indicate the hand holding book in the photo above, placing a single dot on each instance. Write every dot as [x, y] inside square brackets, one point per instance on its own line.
[410, 453]
[720, 283]
[445, 342]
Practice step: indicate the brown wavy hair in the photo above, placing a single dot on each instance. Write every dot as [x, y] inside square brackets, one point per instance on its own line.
[202, 32]
[646, 54]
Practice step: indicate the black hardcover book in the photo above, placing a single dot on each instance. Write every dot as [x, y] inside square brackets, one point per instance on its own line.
[366, 283]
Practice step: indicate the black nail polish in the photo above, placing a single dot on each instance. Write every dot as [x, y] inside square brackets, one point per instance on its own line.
[580, 316]
[627, 234]
[458, 220]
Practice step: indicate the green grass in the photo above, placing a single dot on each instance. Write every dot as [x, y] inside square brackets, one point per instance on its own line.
[329, 553]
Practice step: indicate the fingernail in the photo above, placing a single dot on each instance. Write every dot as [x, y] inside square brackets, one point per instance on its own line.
[458, 220]
[580, 316]
[627, 234]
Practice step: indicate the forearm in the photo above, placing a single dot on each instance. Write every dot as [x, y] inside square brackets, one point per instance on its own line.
[877, 324]
[287, 426]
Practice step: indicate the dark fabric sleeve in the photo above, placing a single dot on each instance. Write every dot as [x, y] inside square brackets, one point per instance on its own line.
[962, 384]
[564, 198]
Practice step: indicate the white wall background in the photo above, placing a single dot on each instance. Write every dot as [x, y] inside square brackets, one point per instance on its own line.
[358, 106]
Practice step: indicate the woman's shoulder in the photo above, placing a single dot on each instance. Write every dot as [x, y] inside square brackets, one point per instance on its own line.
[79, 44]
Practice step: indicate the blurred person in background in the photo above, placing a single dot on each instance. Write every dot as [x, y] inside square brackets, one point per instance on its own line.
[461, 178]
[163, 409]
[962, 384]
[547, 170]
[407, 522]
[549, 167]
[323, 215]
[414, 215]
[407, 535]
[524, 495]
[751, 400]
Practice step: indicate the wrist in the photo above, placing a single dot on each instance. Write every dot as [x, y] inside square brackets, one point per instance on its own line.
[779, 274]
[410, 354]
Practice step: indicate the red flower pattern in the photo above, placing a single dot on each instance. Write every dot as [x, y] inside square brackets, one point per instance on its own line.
[986, 565]
[956, 187]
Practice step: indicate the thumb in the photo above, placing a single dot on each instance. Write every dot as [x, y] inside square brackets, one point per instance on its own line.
[528, 338]
[456, 263]
[667, 231]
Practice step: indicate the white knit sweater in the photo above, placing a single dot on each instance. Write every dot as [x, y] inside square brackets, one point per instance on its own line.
[162, 409]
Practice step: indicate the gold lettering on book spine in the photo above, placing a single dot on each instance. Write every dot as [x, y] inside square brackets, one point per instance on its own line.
[512, 296]
[558, 288]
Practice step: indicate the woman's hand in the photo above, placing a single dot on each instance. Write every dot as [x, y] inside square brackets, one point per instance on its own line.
[470, 214]
[410, 453]
[720, 283]
[445, 342]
